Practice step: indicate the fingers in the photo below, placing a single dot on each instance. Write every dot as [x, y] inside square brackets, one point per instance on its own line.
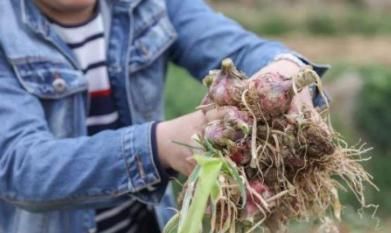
[214, 114]
[207, 116]
[191, 164]
[317, 118]
[295, 107]
[283, 67]
[187, 167]
[302, 99]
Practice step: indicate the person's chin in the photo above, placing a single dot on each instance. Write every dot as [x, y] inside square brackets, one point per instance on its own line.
[73, 5]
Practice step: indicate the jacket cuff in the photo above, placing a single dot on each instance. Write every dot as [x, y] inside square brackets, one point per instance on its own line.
[320, 69]
[165, 174]
[145, 180]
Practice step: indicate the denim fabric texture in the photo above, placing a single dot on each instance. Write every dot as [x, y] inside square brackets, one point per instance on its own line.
[53, 176]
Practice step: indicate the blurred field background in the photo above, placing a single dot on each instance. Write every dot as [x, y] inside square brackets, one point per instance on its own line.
[354, 36]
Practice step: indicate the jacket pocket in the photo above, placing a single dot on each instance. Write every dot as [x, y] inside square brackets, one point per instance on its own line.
[61, 90]
[153, 34]
[49, 80]
[146, 87]
[30, 222]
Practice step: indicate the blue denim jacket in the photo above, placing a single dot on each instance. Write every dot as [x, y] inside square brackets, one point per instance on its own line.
[52, 175]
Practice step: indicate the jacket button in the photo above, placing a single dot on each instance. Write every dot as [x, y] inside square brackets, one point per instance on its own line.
[59, 85]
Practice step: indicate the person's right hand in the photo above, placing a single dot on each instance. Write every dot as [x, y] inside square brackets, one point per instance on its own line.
[181, 129]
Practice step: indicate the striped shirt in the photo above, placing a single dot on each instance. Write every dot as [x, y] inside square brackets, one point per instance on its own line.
[87, 41]
[88, 44]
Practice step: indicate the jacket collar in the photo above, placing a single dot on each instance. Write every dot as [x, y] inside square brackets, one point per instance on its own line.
[39, 24]
[32, 17]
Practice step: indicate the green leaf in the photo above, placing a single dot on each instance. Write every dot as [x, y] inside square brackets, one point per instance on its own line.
[172, 224]
[215, 191]
[191, 182]
[188, 145]
[191, 220]
[209, 147]
[203, 160]
[232, 171]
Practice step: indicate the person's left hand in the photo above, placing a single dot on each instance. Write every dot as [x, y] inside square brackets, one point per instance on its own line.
[289, 68]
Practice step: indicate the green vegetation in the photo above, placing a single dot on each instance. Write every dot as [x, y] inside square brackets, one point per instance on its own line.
[373, 120]
[373, 107]
[183, 93]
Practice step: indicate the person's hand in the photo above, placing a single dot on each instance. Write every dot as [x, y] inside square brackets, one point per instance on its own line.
[303, 99]
[181, 129]
[288, 68]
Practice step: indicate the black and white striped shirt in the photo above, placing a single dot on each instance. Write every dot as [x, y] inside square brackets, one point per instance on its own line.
[87, 41]
[88, 44]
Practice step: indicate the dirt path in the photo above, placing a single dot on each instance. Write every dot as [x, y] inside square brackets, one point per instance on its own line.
[354, 49]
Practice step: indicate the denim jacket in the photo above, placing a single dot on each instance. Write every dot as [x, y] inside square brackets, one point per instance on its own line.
[53, 176]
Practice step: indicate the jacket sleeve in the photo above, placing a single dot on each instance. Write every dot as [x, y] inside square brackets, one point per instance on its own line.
[206, 37]
[39, 172]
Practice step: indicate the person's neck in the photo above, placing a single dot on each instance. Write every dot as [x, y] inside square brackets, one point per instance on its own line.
[71, 17]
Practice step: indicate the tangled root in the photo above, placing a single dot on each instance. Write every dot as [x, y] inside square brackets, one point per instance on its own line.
[291, 166]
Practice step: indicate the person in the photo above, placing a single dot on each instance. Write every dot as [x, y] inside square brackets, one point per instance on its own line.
[83, 143]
